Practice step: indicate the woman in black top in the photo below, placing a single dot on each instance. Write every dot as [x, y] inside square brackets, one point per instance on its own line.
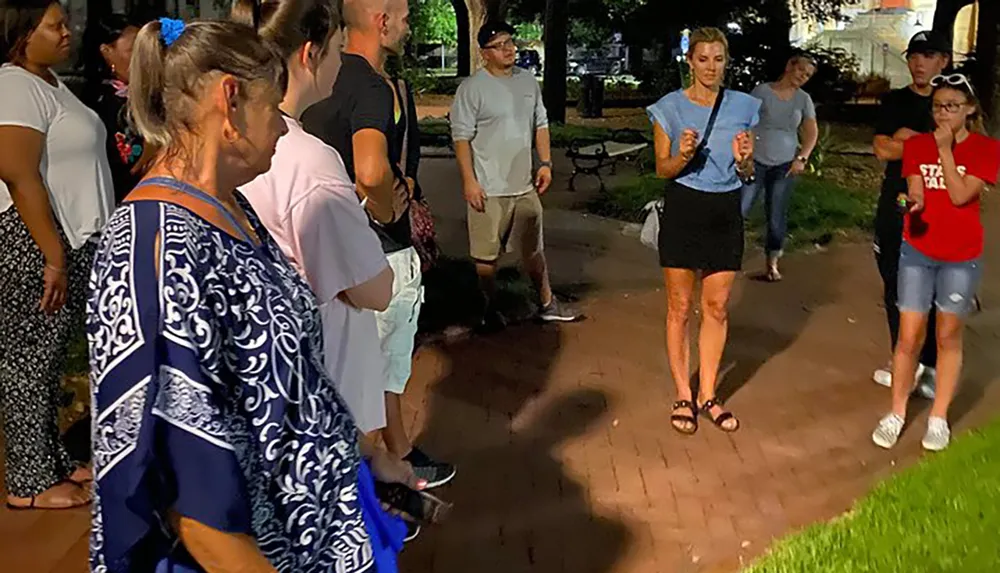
[107, 50]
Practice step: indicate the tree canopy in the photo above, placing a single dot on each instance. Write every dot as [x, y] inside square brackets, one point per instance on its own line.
[433, 22]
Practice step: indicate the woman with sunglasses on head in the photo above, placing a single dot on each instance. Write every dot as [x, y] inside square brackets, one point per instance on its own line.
[939, 266]
[55, 197]
[703, 147]
[107, 51]
[220, 443]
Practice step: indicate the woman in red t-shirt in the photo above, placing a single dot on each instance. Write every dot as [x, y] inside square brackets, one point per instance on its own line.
[939, 264]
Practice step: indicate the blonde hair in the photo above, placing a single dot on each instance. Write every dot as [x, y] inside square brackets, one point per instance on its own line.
[708, 35]
[166, 83]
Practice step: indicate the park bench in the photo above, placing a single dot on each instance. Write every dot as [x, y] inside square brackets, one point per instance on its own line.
[590, 156]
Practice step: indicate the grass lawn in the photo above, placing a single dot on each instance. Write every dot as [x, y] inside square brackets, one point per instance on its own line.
[820, 210]
[941, 516]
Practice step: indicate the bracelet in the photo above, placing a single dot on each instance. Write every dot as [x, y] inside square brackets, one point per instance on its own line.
[56, 269]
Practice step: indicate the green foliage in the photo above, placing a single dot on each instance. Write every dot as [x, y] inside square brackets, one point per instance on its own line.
[836, 80]
[529, 31]
[940, 516]
[433, 22]
[820, 209]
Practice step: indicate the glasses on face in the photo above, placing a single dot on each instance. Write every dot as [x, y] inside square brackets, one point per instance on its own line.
[950, 107]
[505, 45]
[952, 80]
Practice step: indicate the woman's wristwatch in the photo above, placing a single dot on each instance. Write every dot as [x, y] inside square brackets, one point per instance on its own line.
[803, 159]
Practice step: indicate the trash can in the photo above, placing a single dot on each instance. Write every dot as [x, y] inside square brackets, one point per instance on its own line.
[591, 96]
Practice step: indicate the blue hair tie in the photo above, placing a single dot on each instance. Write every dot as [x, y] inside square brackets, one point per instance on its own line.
[170, 30]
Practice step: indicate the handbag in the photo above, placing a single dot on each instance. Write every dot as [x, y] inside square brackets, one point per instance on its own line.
[422, 231]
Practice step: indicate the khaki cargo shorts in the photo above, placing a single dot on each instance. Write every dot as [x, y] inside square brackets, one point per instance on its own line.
[507, 224]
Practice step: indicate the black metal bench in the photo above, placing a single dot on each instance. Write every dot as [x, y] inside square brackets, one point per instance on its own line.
[590, 156]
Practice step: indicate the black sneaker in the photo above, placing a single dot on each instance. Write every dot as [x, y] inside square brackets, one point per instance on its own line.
[412, 531]
[493, 322]
[556, 312]
[436, 474]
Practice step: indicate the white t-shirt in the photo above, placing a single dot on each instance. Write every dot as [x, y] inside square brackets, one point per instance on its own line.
[74, 163]
[309, 205]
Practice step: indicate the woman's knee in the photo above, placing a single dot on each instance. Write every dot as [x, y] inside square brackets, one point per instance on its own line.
[716, 308]
[949, 332]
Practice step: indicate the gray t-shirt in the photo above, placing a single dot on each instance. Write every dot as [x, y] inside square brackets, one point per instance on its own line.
[499, 116]
[778, 131]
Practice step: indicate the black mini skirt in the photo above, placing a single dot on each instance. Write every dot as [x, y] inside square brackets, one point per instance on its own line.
[700, 230]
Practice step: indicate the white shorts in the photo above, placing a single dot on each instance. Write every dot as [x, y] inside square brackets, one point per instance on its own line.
[397, 325]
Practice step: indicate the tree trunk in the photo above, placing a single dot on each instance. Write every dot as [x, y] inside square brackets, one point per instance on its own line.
[556, 30]
[946, 12]
[988, 63]
[471, 15]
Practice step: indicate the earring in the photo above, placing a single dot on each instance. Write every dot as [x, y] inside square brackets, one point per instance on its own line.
[113, 70]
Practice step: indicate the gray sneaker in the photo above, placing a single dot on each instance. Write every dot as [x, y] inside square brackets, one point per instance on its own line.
[555, 311]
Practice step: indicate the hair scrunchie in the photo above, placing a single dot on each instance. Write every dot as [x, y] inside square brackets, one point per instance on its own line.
[170, 30]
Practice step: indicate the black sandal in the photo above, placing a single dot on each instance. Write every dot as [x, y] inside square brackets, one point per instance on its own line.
[723, 417]
[684, 418]
[416, 506]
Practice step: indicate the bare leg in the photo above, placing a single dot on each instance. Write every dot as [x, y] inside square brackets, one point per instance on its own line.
[538, 271]
[680, 291]
[912, 331]
[394, 433]
[487, 273]
[716, 289]
[949, 361]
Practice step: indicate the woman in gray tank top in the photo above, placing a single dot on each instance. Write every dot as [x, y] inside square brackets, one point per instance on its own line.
[786, 137]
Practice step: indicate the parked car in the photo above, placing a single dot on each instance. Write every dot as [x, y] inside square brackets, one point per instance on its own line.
[529, 60]
[593, 63]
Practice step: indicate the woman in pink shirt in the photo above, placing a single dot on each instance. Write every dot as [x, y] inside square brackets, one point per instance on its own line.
[309, 205]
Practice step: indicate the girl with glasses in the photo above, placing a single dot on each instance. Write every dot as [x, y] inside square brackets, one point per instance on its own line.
[946, 172]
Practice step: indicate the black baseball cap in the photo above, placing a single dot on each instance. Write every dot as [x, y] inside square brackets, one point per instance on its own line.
[491, 29]
[929, 42]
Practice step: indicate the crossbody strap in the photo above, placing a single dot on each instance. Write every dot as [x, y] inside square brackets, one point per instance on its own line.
[711, 119]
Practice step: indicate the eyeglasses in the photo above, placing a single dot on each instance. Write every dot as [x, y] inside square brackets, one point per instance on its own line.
[505, 45]
[952, 80]
[950, 107]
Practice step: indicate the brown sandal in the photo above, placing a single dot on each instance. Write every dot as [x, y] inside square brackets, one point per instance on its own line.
[722, 418]
[675, 419]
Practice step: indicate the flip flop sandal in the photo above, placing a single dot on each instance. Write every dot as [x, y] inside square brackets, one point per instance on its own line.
[417, 506]
[773, 276]
[684, 418]
[722, 418]
[34, 499]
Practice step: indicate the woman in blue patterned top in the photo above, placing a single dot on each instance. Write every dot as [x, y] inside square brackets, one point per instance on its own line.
[220, 444]
[703, 147]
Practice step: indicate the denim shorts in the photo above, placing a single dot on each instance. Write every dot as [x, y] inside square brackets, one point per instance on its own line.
[924, 281]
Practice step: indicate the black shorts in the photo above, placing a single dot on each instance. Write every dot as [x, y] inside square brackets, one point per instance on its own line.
[701, 231]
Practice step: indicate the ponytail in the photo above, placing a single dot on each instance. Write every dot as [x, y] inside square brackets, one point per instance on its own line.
[171, 60]
[146, 84]
[290, 24]
[246, 12]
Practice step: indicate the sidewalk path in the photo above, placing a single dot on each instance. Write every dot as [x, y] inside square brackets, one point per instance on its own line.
[567, 462]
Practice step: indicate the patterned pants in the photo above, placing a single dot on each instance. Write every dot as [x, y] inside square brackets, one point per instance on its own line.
[33, 348]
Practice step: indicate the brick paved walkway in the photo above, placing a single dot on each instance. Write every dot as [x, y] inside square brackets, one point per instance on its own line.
[566, 458]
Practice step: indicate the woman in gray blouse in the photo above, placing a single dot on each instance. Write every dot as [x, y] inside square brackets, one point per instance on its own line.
[786, 137]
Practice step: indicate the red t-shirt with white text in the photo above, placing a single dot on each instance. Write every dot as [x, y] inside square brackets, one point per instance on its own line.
[942, 230]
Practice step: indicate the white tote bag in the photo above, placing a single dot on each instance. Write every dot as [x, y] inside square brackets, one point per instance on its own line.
[650, 234]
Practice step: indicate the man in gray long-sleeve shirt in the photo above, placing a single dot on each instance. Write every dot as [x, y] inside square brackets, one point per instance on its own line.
[496, 116]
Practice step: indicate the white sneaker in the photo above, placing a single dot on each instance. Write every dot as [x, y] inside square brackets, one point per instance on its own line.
[938, 434]
[924, 380]
[887, 432]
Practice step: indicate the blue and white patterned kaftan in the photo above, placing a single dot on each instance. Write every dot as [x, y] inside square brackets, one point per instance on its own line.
[210, 399]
